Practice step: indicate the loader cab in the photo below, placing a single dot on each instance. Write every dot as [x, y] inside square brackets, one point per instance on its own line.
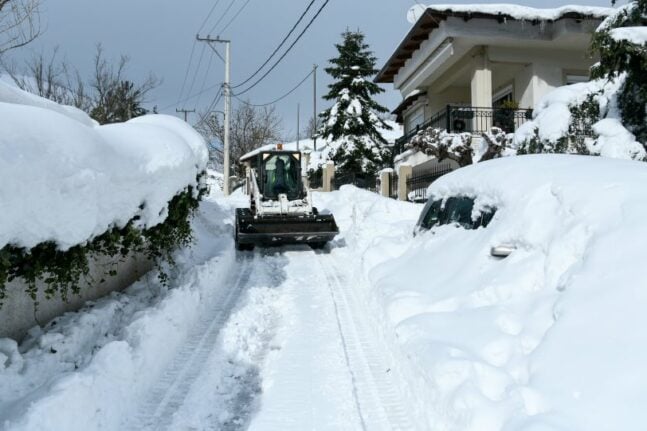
[278, 172]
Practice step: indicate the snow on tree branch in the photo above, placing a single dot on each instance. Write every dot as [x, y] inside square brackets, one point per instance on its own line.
[459, 146]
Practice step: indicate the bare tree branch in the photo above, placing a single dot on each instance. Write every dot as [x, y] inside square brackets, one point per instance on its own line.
[19, 23]
[251, 128]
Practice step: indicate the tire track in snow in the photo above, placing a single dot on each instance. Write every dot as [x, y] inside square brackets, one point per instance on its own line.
[379, 403]
[170, 392]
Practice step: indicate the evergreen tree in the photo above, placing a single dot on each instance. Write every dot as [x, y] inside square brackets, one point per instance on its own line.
[354, 118]
[619, 56]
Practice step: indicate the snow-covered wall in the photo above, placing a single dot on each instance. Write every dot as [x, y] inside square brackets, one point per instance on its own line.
[18, 314]
[63, 178]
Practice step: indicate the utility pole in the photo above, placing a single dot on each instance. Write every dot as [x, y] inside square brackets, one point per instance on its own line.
[185, 112]
[227, 93]
[314, 74]
[298, 126]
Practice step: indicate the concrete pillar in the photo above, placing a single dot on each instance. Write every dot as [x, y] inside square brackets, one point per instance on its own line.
[404, 172]
[481, 90]
[385, 183]
[305, 162]
[328, 176]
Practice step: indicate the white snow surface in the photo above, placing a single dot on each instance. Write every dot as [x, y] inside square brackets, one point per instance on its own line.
[65, 179]
[544, 339]
[382, 330]
[552, 117]
[524, 12]
[637, 35]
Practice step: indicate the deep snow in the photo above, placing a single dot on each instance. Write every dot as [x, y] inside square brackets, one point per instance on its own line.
[65, 179]
[381, 330]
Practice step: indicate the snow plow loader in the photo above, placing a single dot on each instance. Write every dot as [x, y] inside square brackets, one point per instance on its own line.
[281, 210]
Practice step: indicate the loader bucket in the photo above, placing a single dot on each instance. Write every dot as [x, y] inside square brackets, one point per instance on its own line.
[315, 229]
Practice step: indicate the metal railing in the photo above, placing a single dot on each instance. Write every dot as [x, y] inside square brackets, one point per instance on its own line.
[470, 119]
[420, 180]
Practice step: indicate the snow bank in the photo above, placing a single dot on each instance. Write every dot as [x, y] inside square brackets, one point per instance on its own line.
[65, 179]
[546, 338]
[523, 12]
[93, 368]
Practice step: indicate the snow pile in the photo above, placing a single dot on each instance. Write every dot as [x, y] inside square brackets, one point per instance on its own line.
[94, 368]
[326, 147]
[544, 339]
[63, 178]
[523, 12]
[552, 119]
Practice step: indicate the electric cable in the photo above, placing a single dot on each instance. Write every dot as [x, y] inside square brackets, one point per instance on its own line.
[285, 39]
[286, 52]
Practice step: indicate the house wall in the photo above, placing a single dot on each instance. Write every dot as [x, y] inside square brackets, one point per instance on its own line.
[451, 95]
[532, 76]
[18, 315]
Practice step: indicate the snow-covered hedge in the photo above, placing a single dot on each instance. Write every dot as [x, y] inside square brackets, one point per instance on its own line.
[605, 116]
[580, 119]
[65, 180]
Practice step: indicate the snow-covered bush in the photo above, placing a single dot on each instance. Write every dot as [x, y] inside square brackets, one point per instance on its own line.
[606, 116]
[459, 147]
[70, 188]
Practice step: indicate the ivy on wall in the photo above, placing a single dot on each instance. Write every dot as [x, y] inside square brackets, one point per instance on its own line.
[61, 271]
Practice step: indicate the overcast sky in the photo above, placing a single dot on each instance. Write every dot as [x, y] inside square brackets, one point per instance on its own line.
[158, 36]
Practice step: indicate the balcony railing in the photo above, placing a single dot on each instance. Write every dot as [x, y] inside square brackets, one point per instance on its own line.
[461, 118]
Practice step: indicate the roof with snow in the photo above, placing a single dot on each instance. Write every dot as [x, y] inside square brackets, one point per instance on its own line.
[434, 15]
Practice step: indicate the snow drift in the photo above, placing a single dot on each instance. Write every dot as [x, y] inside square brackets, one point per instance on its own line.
[63, 178]
[547, 338]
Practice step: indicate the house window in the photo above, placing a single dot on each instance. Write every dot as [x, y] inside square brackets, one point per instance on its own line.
[502, 97]
[574, 79]
[414, 119]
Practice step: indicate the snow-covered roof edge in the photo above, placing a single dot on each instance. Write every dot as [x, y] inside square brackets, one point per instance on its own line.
[499, 11]
[525, 13]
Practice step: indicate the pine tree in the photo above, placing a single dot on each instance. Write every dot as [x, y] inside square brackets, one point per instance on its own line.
[354, 118]
[618, 57]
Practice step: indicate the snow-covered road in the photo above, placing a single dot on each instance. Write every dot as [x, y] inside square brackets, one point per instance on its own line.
[275, 339]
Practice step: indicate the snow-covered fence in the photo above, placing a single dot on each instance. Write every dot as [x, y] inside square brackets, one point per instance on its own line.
[421, 179]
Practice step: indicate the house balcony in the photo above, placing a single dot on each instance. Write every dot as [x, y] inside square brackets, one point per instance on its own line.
[468, 119]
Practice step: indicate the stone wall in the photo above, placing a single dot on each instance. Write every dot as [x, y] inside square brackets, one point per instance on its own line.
[18, 314]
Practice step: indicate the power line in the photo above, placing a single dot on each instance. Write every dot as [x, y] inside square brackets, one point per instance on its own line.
[197, 70]
[193, 96]
[204, 81]
[280, 98]
[285, 39]
[210, 107]
[286, 52]
[213, 8]
[222, 16]
[235, 16]
[186, 74]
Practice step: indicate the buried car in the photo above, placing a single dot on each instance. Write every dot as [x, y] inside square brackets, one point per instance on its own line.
[552, 336]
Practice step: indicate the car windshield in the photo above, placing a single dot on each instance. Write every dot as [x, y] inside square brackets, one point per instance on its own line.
[457, 209]
[281, 176]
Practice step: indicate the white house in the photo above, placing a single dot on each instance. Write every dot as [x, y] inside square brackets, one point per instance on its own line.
[466, 68]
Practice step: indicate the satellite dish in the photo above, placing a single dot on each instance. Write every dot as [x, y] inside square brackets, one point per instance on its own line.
[415, 13]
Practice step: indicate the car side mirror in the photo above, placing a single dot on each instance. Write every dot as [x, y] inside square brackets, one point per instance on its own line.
[502, 250]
